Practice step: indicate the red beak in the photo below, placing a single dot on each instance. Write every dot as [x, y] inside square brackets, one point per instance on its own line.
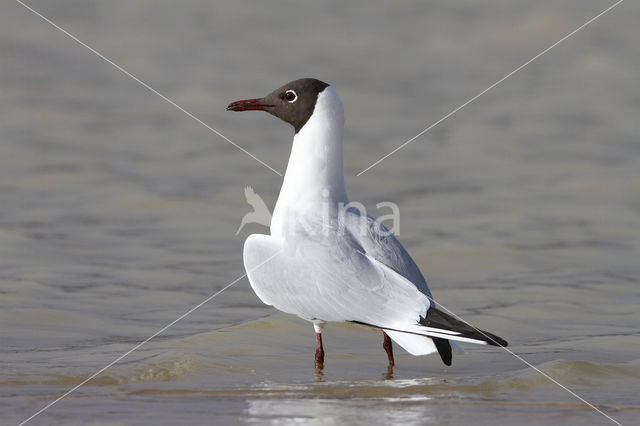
[249, 105]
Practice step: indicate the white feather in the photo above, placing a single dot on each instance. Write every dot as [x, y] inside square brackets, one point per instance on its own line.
[415, 345]
[335, 265]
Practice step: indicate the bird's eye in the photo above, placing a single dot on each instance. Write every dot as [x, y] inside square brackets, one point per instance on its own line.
[290, 96]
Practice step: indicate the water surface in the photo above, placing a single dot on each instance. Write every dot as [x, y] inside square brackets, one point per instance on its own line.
[118, 212]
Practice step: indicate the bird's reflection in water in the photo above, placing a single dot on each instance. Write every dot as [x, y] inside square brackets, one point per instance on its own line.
[319, 374]
[328, 409]
[389, 373]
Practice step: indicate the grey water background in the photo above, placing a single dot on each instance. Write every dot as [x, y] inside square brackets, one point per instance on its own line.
[118, 212]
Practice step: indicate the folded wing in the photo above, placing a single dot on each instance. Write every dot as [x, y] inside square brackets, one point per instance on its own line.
[331, 281]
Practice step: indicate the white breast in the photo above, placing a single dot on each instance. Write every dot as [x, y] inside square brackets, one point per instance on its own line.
[314, 181]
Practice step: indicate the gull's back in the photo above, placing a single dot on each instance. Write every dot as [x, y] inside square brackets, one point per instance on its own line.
[380, 244]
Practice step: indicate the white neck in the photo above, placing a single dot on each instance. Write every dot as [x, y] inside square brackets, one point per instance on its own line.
[315, 178]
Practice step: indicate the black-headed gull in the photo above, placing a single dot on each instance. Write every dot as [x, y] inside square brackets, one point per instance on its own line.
[327, 262]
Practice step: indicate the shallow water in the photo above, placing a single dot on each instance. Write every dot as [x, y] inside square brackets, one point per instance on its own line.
[118, 213]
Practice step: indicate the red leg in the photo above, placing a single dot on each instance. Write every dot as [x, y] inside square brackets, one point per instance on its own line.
[319, 351]
[388, 346]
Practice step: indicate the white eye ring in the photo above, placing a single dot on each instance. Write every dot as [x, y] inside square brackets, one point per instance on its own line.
[288, 98]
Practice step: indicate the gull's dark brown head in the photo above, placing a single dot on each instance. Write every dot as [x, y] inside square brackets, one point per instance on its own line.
[294, 102]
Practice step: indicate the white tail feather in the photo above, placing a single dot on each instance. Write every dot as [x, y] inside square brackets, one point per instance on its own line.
[437, 332]
[412, 343]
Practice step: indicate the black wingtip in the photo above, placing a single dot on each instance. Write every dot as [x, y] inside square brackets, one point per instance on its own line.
[494, 340]
[444, 349]
[438, 319]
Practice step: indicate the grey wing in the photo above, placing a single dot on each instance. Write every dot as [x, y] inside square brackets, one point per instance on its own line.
[330, 281]
[380, 244]
[334, 280]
